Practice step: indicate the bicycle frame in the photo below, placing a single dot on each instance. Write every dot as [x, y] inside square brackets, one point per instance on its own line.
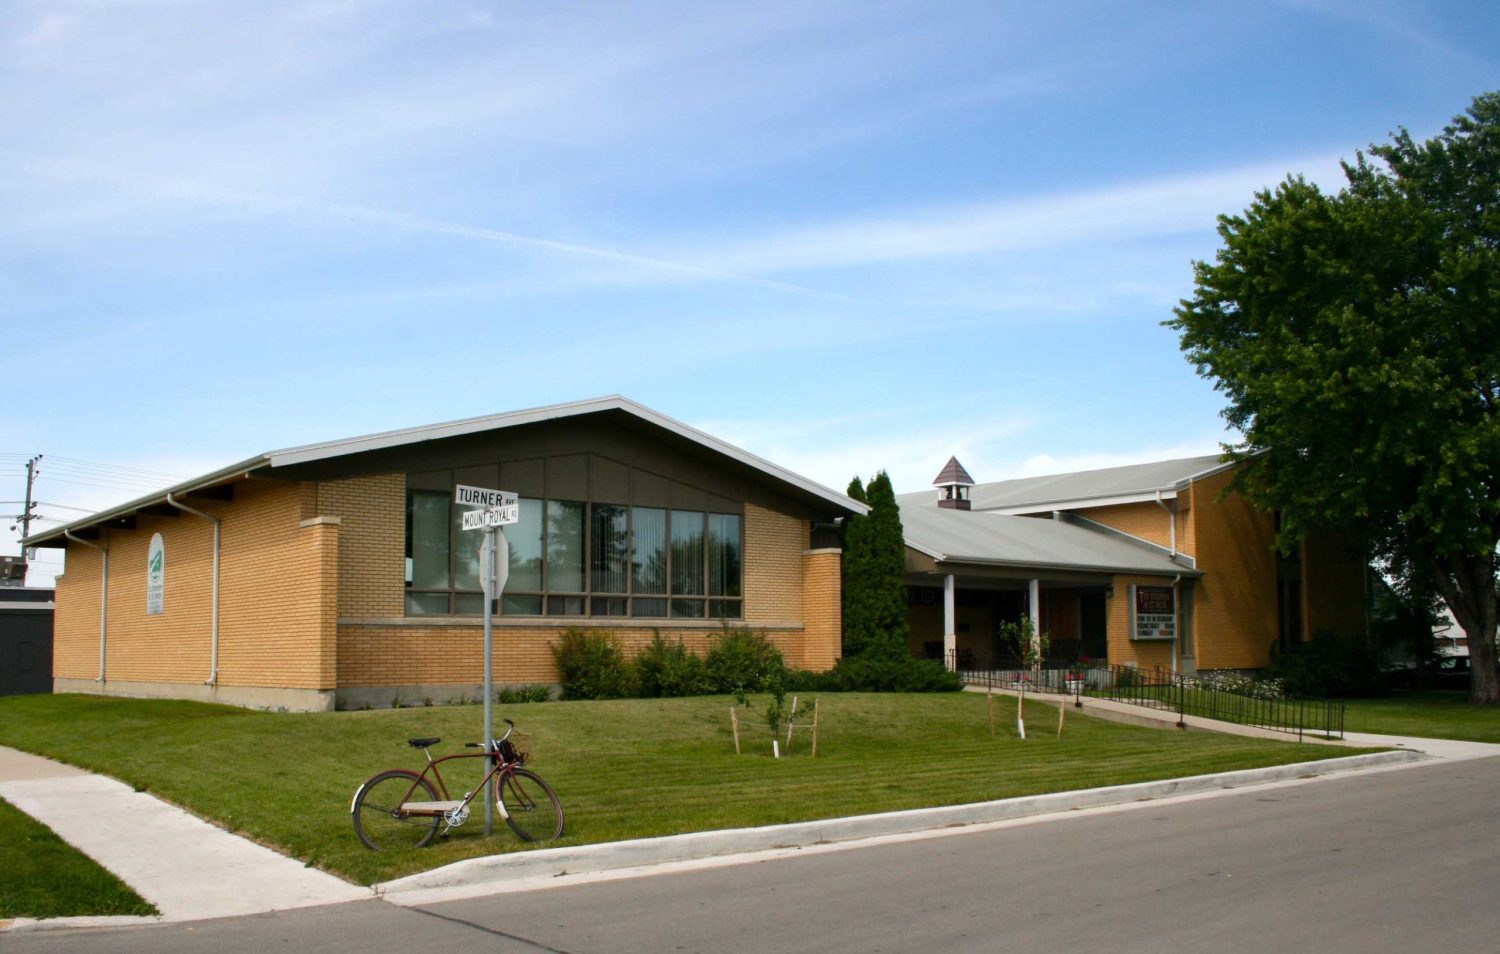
[447, 805]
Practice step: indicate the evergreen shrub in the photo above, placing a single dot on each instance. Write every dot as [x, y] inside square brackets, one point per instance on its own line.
[591, 666]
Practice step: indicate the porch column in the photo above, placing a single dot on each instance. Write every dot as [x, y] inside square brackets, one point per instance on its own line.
[1034, 609]
[950, 628]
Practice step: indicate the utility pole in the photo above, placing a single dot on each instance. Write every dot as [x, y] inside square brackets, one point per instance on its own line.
[26, 514]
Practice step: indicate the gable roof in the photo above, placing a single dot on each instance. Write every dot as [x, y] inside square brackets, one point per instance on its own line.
[994, 539]
[306, 453]
[1089, 488]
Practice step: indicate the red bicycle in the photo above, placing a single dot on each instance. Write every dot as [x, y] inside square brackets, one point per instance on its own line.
[404, 809]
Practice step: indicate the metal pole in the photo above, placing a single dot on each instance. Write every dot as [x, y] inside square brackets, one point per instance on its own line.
[488, 572]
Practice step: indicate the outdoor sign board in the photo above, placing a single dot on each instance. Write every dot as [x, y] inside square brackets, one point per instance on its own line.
[156, 576]
[1155, 612]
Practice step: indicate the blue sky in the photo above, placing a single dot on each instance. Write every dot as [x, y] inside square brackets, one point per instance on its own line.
[845, 236]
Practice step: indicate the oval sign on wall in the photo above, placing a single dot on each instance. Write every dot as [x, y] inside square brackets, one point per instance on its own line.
[156, 575]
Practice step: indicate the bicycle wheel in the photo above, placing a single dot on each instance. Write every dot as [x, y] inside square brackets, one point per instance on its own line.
[531, 807]
[376, 821]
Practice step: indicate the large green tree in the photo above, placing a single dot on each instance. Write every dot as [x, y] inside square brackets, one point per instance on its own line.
[874, 578]
[1357, 338]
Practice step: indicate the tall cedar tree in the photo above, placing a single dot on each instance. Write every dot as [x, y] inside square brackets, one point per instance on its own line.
[859, 626]
[1357, 338]
[887, 569]
[875, 574]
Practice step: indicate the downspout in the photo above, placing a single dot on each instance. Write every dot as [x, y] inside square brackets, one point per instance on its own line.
[103, 597]
[213, 659]
[1171, 522]
[1176, 621]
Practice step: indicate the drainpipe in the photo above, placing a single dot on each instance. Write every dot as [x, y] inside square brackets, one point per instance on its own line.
[213, 659]
[1171, 522]
[1176, 622]
[103, 597]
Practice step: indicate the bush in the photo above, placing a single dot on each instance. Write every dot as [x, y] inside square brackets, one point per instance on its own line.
[743, 661]
[668, 669]
[591, 666]
[1328, 665]
[883, 674]
[514, 695]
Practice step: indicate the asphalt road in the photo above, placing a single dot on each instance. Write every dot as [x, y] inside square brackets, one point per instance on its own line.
[1392, 861]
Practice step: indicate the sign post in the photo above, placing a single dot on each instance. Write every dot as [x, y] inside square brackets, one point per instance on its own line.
[499, 509]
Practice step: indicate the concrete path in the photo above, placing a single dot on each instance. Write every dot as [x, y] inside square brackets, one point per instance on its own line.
[185, 866]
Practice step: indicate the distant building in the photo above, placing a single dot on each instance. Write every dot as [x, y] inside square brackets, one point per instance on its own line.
[25, 639]
[1150, 564]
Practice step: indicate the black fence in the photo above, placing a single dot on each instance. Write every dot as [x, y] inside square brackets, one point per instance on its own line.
[1209, 696]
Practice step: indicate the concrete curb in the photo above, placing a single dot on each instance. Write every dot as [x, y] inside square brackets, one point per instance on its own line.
[550, 862]
[26, 925]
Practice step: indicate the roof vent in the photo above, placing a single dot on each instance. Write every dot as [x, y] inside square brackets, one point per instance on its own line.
[953, 485]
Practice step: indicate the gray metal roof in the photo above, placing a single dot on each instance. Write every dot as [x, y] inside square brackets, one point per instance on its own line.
[959, 536]
[1086, 488]
[413, 435]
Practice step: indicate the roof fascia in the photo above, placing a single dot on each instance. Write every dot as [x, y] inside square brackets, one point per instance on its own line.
[1078, 503]
[1218, 469]
[243, 469]
[1082, 567]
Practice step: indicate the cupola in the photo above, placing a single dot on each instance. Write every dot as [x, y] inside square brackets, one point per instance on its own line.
[953, 485]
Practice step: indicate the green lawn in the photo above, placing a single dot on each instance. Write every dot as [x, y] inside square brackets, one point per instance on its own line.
[623, 768]
[1428, 715]
[42, 876]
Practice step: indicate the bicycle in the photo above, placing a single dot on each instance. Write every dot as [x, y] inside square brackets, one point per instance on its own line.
[386, 815]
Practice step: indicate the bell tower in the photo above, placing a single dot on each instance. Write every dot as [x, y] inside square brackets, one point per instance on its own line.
[953, 485]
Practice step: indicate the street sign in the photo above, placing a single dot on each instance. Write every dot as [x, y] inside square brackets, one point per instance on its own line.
[491, 517]
[466, 496]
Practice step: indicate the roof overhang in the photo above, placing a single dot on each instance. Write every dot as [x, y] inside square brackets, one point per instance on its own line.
[1080, 503]
[265, 464]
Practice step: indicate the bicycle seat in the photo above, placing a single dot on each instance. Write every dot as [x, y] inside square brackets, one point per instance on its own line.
[422, 743]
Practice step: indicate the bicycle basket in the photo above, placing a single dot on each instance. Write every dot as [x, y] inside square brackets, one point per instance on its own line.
[516, 749]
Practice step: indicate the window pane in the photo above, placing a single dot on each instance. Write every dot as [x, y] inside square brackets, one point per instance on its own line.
[650, 608]
[609, 606]
[609, 549]
[427, 540]
[687, 554]
[724, 609]
[723, 555]
[466, 547]
[468, 604]
[564, 606]
[565, 551]
[521, 605]
[424, 604]
[525, 540]
[687, 609]
[649, 554]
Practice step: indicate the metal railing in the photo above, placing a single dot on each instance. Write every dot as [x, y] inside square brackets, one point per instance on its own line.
[1158, 688]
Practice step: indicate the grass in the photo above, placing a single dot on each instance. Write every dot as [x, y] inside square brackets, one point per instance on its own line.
[624, 769]
[42, 876]
[1436, 714]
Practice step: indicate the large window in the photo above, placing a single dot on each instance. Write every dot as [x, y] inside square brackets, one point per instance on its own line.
[570, 558]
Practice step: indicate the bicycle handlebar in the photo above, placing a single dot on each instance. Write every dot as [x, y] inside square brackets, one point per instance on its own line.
[494, 742]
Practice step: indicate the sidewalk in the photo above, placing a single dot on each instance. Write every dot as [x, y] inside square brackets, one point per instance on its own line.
[182, 864]
[192, 870]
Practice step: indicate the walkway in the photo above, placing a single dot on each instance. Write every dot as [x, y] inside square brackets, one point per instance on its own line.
[186, 867]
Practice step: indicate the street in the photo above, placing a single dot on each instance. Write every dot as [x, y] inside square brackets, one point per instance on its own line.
[1386, 861]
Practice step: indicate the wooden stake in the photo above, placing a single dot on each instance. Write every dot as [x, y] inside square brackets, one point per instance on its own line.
[990, 705]
[815, 729]
[1021, 711]
[734, 723]
[789, 719]
[1062, 709]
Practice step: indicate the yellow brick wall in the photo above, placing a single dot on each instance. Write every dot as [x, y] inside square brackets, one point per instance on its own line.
[377, 655]
[773, 575]
[1117, 608]
[1234, 605]
[372, 542]
[275, 611]
[1333, 586]
[822, 611]
[1145, 520]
